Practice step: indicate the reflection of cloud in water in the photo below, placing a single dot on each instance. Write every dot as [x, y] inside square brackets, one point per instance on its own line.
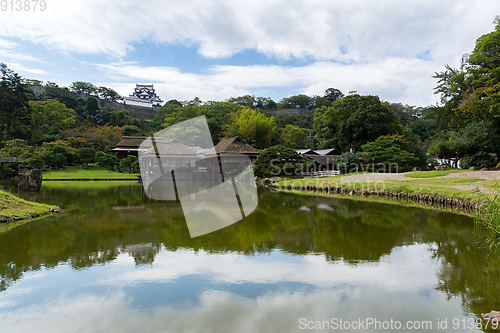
[397, 287]
[407, 268]
[219, 311]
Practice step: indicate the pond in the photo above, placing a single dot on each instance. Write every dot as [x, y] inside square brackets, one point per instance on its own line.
[118, 262]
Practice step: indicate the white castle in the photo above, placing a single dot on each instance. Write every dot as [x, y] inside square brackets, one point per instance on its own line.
[144, 95]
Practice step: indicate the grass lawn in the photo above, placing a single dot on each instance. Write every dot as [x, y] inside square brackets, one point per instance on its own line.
[432, 174]
[13, 209]
[414, 186]
[93, 172]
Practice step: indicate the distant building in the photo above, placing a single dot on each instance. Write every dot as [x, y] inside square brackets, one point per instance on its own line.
[325, 159]
[144, 95]
[130, 145]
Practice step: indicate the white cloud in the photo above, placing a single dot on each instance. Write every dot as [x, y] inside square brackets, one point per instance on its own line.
[395, 80]
[389, 48]
[356, 30]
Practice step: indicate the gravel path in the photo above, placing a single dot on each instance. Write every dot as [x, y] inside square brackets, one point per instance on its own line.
[377, 177]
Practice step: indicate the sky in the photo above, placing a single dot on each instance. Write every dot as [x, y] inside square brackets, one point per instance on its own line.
[215, 49]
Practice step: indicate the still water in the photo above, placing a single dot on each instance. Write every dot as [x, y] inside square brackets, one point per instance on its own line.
[116, 262]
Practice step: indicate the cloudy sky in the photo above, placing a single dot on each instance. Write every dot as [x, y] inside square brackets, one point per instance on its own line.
[219, 49]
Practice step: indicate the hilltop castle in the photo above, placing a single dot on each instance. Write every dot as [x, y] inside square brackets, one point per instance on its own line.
[144, 95]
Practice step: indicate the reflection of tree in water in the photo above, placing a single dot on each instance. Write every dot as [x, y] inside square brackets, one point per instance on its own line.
[92, 232]
[143, 253]
[469, 269]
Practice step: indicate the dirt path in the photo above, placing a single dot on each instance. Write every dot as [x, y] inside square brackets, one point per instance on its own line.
[377, 177]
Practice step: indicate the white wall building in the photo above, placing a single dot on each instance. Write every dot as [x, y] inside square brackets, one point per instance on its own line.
[144, 95]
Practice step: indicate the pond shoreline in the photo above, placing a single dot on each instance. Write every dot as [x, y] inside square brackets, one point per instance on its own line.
[468, 206]
[90, 179]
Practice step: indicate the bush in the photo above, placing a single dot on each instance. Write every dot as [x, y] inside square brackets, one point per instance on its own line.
[278, 161]
[348, 162]
[35, 162]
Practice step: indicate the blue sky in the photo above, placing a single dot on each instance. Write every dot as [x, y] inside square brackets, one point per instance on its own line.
[220, 49]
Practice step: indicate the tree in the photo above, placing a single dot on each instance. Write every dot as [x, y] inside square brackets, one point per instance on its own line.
[472, 92]
[386, 154]
[353, 120]
[333, 94]
[79, 87]
[50, 117]
[348, 162]
[253, 126]
[86, 156]
[294, 136]
[108, 94]
[15, 111]
[92, 106]
[280, 161]
[451, 151]
[107, 160]
[130, 163]
[296, 101]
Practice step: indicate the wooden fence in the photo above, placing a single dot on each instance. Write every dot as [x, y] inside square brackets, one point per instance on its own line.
[320, 174]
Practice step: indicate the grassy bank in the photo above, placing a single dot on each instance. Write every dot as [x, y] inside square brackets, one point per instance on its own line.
[15, 211]
[432, 187]
[93, 172]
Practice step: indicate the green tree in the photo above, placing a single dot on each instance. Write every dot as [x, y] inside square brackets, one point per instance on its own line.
[353, 120]
[472, 92]
[294, 136]
[86, 156]
[15, 111]
[79, 87]
[333, 94]
[388, 154]
[129, 163]
[92, 106]
[253, 126]
[50, 117]
[280, 161]
[108, 94]
[107, 160]
[348, 162]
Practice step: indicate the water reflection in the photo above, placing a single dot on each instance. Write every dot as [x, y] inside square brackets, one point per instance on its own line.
[128, 263]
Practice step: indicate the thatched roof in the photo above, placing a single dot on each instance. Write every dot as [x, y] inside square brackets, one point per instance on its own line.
[235, 145]
[132, 141]
[171, 147]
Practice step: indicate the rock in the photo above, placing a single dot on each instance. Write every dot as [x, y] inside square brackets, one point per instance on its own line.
[472, 168]
[29, 180]
[4, 188]
[109, 171]
[497, 167]
[440, 167]
[493, 315]
[266, 181]
[484, 169]
[416, 169]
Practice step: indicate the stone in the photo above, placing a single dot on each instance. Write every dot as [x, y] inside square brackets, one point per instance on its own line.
[497, 167]
[29, 180]
[416, 169]
[4, 188]
[484, 169]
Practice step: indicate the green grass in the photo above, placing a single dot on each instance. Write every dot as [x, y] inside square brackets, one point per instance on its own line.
[93, 172]
[407, 186]
[432, 174]
[15, 211]
[440, 181]
[79, 185]
[489, 217]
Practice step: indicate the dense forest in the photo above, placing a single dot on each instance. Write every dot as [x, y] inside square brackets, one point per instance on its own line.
[59, 127]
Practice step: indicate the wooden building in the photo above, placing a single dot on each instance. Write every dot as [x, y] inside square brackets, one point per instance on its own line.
[130, 145]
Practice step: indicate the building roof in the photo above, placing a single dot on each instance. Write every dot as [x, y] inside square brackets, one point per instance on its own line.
[306, 152]
[171, 147]
[325, 152]
[235, 145]
[132, 141]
